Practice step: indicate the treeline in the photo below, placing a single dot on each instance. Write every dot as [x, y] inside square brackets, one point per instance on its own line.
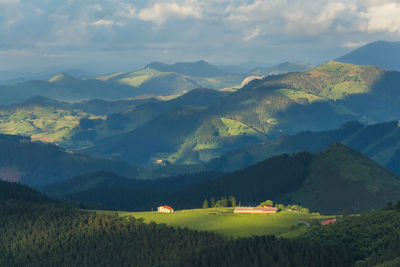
[16, 191]
[221, 203]
[281, 207]
[54, 235]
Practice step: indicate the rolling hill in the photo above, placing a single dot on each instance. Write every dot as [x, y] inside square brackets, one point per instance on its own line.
[382, 54]
[319, 99]
[335, 179]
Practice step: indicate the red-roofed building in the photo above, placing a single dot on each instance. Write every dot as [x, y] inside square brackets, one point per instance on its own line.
[165, 209]
[266, 209]
[328, 221]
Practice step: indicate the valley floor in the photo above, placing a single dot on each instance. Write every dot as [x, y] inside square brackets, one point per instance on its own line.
[224, 221]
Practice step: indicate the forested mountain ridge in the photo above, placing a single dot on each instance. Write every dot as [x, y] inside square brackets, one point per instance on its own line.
[335, 179]
[379, 141]
[330, 181]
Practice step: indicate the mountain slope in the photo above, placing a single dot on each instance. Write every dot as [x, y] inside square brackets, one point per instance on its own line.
[38, 164]
[380, 141]
[382, 54]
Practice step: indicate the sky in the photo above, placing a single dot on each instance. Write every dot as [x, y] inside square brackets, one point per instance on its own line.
[121, 35]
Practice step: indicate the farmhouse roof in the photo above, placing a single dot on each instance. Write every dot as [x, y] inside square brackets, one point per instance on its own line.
[167, 207]
[328, 221]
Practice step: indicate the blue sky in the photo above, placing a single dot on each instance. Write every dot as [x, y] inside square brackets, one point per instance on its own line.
[112, 35]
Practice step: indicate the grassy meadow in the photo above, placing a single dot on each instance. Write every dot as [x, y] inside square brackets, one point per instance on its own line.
[224, 221]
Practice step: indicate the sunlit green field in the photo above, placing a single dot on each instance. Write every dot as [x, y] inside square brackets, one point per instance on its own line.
[224, 221]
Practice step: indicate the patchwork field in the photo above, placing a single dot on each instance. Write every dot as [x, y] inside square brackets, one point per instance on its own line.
[224, 221]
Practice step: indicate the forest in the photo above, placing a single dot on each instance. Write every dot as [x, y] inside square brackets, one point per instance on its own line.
[38, 231]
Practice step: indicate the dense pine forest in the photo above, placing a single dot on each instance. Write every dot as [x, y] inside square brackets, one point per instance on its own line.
[37, 231]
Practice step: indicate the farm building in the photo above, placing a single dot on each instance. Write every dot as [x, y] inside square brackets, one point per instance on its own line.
[265, 209]
[328, 221]
[165, 209]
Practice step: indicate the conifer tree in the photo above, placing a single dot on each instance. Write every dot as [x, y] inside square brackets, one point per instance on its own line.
[205, 204]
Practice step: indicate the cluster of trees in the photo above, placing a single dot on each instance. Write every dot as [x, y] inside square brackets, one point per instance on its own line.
[280, 207]
[223, 202]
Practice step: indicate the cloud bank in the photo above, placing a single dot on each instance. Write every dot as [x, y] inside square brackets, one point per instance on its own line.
[216, 30]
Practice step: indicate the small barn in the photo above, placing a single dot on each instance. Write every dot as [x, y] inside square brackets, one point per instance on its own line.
[328, 221]
[165, 209]
[266, 209]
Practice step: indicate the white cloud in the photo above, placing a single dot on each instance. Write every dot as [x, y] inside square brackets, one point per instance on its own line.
[161, 12]
[253, 34]
[354, 44]
[103, 22]
[381, 18]
[11, 11]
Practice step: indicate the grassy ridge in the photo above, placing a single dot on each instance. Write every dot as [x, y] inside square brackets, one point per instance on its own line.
[224, 221]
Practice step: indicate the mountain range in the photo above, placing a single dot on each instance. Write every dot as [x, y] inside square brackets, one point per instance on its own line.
[322, 98]
[154, 79]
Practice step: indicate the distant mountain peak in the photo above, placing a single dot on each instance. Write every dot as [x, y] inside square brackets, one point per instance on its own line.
[382, 54]
[199, 68]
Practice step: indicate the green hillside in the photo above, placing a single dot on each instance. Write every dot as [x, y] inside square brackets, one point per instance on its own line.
[225, 222]
[41, 119]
